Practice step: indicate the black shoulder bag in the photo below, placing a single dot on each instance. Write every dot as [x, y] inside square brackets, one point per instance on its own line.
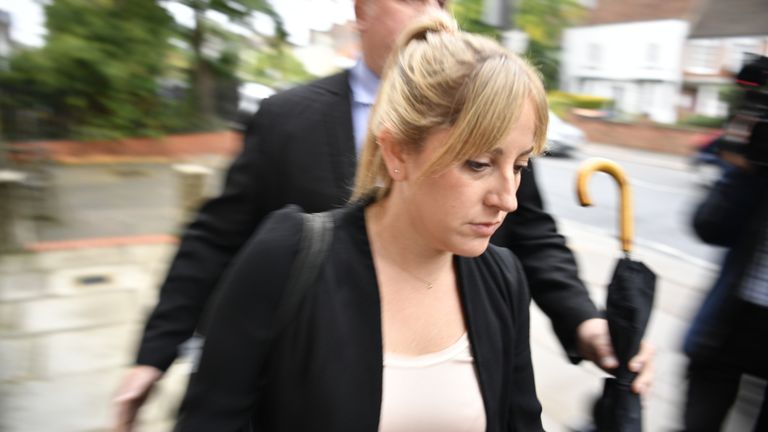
[315, 240]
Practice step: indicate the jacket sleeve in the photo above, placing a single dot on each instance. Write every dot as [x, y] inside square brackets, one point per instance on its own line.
[210, 242]
[725, 211]
[225, 388]
[549, 265]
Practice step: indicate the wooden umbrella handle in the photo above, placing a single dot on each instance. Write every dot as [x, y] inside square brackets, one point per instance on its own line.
[589, 167]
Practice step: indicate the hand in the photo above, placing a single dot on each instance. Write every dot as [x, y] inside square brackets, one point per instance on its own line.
[594, 343]
[132, 393]
[736, 159]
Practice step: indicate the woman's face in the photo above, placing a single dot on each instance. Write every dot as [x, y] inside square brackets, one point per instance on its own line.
[459, 209]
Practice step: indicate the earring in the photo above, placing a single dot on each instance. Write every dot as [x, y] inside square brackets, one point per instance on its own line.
[397, 171]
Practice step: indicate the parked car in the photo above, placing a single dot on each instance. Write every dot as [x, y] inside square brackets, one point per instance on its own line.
[563, 138]
[250, 96]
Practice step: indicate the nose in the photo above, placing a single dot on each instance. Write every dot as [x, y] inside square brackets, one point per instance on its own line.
[504, 195]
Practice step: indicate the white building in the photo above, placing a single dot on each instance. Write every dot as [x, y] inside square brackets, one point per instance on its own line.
[663, 58]
[637, 64]
[722, 37]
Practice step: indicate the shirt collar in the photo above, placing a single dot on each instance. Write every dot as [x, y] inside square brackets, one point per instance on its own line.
[364, 83]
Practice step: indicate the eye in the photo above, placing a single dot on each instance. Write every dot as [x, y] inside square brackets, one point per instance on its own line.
[477, 166]
[520, 168]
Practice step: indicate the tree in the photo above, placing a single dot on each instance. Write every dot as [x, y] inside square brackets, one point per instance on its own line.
[204, 63]
[469, 14]
[542, 20]
[97, 75]
[276, 68]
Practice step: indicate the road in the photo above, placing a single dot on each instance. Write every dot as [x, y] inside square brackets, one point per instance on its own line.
[665, 192]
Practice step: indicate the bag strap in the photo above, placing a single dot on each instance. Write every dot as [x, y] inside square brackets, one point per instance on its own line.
[316, 239]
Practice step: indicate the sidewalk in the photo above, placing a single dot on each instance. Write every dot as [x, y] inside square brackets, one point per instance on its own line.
[567, 391]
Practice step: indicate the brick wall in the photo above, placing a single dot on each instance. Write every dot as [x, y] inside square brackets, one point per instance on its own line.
[169, 147]
[642, 135]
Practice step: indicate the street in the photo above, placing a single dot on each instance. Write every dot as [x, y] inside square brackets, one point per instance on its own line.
[665, 192]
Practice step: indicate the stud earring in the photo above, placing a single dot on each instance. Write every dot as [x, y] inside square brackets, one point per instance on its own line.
[397, 171]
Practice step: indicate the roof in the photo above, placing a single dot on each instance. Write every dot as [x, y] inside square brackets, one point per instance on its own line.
[718, 18]
[621, 11]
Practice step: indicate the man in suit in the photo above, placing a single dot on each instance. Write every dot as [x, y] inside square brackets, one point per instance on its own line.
[300, 148]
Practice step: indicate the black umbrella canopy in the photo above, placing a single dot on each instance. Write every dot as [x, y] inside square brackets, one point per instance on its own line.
[628, 309]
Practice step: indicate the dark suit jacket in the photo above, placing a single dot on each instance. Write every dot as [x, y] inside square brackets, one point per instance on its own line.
[323, 372]
[299, 149]
[727, 330]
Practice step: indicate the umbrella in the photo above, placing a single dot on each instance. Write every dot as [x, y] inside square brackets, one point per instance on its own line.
[628, 308]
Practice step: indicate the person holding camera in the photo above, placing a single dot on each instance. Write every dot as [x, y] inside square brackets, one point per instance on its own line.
[728, 336]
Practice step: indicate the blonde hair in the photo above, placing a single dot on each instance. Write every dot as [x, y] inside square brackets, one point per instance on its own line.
[437, 77]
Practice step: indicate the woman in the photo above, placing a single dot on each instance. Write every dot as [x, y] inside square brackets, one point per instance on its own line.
[414, 322]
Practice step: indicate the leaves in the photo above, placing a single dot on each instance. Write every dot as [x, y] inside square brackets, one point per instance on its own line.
[108, 69]
[542, 20]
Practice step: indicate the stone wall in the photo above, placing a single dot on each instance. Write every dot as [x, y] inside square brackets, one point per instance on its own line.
[70, 317]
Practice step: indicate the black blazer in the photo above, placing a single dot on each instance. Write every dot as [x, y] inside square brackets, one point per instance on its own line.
[324, 371]
[299, 149]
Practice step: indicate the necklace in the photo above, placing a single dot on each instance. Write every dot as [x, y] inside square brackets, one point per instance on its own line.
[426, 282]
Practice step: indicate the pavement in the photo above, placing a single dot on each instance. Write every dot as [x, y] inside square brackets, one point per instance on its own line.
[108, 200]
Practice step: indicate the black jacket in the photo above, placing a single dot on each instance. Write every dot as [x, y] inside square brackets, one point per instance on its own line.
[324, 371]
[299, 149]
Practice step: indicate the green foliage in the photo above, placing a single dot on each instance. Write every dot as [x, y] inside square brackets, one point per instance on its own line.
[96, 77]
[206, 68]
[542, 20]
[703, 121]
[469, 14]
[238, 11]
[561, 102]
[276, 68]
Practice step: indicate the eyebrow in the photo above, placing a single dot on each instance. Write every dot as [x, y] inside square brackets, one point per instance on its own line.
[498, 151]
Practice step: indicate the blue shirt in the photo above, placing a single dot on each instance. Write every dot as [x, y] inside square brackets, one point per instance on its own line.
[364, 85]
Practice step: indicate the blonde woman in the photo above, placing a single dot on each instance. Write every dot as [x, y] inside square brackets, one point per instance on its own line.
[414, 322]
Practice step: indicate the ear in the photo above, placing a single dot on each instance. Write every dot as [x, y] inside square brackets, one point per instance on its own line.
[362, 14]
[392, 153]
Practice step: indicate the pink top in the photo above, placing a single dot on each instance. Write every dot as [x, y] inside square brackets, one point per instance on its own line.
[432, 392]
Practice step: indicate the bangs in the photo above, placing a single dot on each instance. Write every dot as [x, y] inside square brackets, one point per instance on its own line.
[488, 107]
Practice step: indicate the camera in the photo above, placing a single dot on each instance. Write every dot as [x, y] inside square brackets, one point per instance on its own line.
[746, 132]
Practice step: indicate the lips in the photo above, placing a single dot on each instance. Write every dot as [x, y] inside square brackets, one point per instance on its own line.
[485, 228]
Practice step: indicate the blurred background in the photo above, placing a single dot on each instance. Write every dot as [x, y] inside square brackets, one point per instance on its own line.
[117, 118]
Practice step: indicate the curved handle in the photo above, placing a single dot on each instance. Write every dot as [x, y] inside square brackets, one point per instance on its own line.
[589, 167]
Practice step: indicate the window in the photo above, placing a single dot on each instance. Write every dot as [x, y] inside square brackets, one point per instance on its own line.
[652, 54]
[702, 56]
[594, 55]
[740, 51]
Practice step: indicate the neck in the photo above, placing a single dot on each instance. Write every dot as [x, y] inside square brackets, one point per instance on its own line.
[397, 241]
[374, 67]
